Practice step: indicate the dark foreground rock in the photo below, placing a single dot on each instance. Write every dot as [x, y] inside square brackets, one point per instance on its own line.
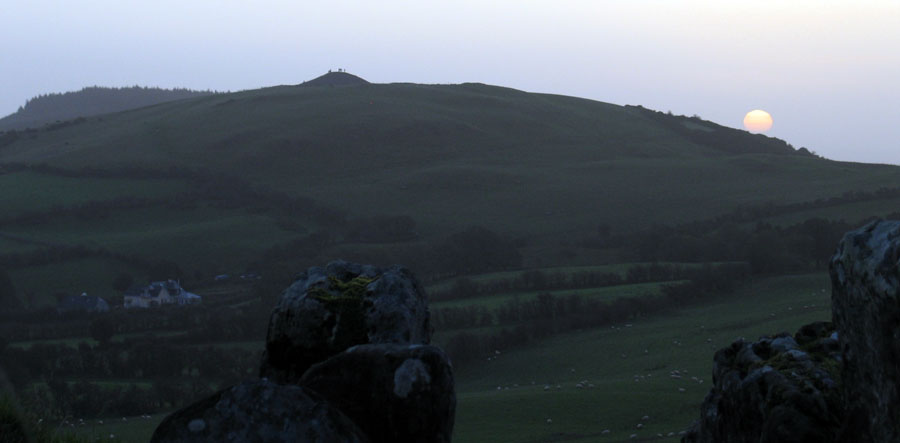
[865, 275]
[828, 386]
[395, 393]
[327, 310]
[778, 389]
[259, 411]
[347, 359]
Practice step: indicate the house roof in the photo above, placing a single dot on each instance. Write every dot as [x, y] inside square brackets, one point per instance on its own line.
[135, 289]
[154, 288]
[82, 303]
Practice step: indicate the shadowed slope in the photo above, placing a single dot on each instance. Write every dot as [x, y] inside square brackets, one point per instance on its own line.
[457, 155]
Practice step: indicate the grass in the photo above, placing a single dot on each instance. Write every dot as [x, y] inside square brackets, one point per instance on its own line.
[72, 342]
[133, 429]
[30, 191]
[849, 212]
[619, 268]
[93, 275]
[610, 358]
[206, 238]
[605, 293]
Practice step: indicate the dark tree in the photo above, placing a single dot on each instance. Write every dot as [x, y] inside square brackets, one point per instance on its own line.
[102, 330]
[122, 282]
[8, 297]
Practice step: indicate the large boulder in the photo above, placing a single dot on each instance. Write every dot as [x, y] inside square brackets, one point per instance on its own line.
[394, 393]
[259, 411]
[327, 310]
[865, 275]
[777, 389]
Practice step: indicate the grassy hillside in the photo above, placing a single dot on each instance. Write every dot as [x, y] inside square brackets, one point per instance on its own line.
[511, 394]
[217, 184]
[504, 399]
[451, 155]
[57, 108]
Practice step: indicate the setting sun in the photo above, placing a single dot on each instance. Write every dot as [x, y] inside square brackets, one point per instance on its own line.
[758, 121]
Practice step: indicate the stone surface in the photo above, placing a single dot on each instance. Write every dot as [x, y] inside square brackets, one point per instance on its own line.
[394, 393]
[327, 310]
[778, 389]
[259, 411]
[865, 275]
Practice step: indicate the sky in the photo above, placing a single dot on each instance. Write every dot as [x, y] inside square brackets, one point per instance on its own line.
[827, 70]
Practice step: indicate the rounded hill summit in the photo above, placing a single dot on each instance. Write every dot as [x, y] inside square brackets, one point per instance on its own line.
[336, 78]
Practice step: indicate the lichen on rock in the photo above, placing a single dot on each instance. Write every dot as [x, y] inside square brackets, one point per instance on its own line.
[777, 389]
[832, 382]
[347, 359]
[327, 310]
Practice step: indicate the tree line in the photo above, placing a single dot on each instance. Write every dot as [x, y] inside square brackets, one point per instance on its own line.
[549, 314]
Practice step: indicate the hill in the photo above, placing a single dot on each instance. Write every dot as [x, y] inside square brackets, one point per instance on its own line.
[95, 100]
[389, 173]
[564, 242]
[475, 152]
[339, 78]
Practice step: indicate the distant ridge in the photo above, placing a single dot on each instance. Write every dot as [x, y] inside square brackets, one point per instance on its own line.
[336, 78]
[94, 100]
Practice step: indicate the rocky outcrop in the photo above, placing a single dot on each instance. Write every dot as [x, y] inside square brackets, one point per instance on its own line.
[347, 359]
[832, 382]
[259, 411]
[328, 310]
[777, 389]
[409, 394]
[865, 298]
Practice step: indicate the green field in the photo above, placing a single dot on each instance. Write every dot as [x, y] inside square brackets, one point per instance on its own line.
[602, 293]
[29, 191]
[619, 268]
[132, 429]
[93, 276]
[504, 400]
[610, 358]
[205, 238]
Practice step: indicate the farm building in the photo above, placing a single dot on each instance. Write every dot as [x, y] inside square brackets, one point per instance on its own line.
[82, 303]
[159, 293]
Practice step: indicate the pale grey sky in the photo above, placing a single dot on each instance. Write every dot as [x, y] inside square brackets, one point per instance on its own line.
[827, 70]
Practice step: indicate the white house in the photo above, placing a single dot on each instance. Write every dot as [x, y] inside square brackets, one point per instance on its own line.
[159, 293]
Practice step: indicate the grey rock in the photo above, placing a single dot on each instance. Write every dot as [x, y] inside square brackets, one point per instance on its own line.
[259, 411]
[865, 276]
[771, 390]
[783, 344]
[394, 393]
[327, 310]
